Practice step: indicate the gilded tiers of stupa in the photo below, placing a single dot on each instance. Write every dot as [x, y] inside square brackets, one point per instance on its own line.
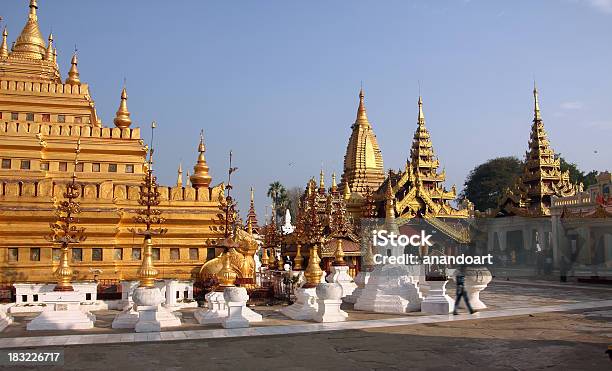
[41, 120]
[542, 177]
[419, 188]
[363, 162]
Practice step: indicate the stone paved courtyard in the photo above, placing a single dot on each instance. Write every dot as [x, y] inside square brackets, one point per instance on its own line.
[511, 334]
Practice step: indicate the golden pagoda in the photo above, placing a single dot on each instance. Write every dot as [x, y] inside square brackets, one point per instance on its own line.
[542, 177]
[41, 118]
[252, 215]
[419, 190]
[363, 161]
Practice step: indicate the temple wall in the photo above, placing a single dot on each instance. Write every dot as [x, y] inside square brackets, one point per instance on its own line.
[193, 219]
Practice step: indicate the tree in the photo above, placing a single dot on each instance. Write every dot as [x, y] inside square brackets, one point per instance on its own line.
[293, 197]
[578, 176]
[278, 194]
[486, 182]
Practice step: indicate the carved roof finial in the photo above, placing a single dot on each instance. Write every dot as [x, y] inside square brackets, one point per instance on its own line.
[200, 177]
[536, 104]
[4, 46]
[73, 74]
[122, 118]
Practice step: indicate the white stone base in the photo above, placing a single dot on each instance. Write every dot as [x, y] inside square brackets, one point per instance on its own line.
[391, 289]
[339, 274]
[329, 311]
[437, 302]
[126, 319]
[360, 280]
[216, 311]
[305, 307]
[5, 320]
[66, 313]
[154, 318]
[71, 319]
[235, 317]
[251, 315]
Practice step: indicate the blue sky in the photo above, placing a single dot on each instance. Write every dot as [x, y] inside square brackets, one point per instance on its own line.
[277, 81]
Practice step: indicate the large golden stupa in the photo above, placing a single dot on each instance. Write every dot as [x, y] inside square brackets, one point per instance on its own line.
[41, 119]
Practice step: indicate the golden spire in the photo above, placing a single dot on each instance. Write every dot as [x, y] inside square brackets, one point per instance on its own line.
[200, 177]
[347, 191]
[363, 162]
[339, 255]
[49, 53]
[30, 43]
[536, 104]
[362, 117]
[55, 57]
[265, 261]
[4, 47]
[122, 118]
[313, 271]
[179, 179]
[227, 276]
[421, 115]
[334, 186]
[73, 74]
[322, 181]
[299, 259]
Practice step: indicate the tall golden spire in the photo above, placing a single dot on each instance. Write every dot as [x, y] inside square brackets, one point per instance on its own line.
[421, 114]
[4, 46]
[362, 117]
[321, 181]
[334, 186]
[49, 53]
[542, 176]
[200, 177]
[122, 118]
[179, 178]
[30, 43]
[536, 104]
[363, 162]
[73, 74]
[252, 215]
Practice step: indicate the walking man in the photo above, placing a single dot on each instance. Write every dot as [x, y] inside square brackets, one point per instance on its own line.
[461, 292]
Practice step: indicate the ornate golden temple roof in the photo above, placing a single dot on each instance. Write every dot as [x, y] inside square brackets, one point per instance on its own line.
[542, 176]
[30, 43]
[419, 190]
[363, 162]
[30, 57]
[200, 177]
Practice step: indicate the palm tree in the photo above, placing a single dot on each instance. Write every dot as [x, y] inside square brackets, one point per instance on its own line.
[278, 194]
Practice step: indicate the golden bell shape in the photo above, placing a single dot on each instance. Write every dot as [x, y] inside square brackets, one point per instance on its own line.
[280, 263]
[227, 276]
[272, 261]
[63, 272]
[147, 272]
[265, 260]
[299, 259]
[122, 118]
[313, 272]
[339, 255]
